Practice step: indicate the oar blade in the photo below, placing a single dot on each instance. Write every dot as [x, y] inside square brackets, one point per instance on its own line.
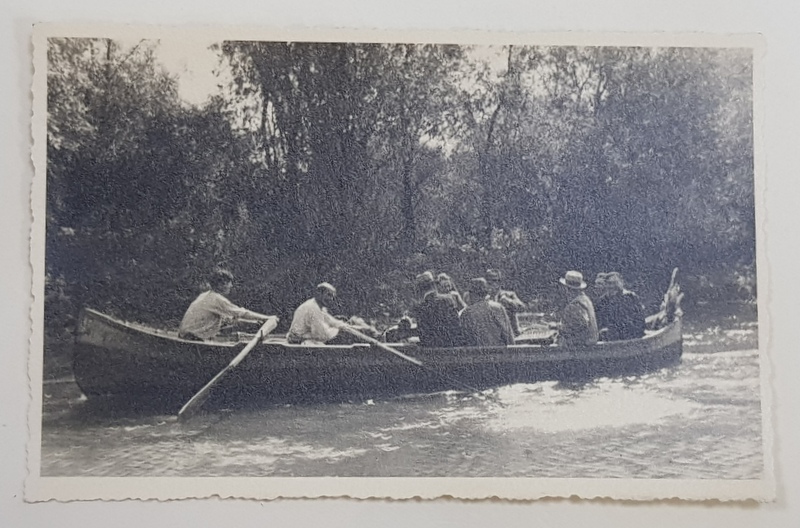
[194, 404]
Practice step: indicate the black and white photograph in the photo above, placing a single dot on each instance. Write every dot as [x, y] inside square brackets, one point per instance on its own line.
[473, 265]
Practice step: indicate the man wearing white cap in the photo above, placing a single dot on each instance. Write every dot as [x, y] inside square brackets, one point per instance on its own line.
[311, 321]
[578, 322]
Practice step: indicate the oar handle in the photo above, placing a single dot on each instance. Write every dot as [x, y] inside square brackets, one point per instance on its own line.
[417, 362]
[265, 329]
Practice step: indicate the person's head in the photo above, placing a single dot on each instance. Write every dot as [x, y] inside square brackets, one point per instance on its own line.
[424, 283]
[494, 280]
[325, 294]
[444, 284]
[221, 281]
[614, 283]
[600, 285]
[573, 282]
[478, 289]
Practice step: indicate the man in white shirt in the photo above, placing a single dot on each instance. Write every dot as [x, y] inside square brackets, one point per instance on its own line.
[205, 316]
[311, 321]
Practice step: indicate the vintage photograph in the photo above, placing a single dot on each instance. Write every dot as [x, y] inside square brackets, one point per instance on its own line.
[469, 262]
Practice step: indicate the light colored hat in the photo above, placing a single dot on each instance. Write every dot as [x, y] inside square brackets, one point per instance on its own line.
[573, 280]
[326, 286]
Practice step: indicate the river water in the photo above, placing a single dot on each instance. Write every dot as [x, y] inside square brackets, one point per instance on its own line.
[699, 419]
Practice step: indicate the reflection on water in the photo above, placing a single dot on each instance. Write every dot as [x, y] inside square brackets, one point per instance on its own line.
[603, 405]
[700, 419]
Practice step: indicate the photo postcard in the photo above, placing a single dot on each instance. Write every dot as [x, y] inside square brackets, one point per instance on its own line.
[372, 264]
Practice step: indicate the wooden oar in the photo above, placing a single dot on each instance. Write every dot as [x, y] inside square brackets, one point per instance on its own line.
[379, 344]
[197, 400]
[410, 359]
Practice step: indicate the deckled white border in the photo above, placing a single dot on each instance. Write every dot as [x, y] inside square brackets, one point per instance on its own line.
[39, 488]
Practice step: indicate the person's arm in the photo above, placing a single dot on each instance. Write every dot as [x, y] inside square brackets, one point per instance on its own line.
[572, 317]
[505, 327]
[510, 299]
[460, 303]
[226, 308]
[467, 328]
[324, 326]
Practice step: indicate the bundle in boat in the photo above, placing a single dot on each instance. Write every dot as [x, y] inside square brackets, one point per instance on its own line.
[670, 306]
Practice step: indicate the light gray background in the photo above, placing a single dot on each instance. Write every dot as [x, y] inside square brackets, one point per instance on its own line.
[779, 21]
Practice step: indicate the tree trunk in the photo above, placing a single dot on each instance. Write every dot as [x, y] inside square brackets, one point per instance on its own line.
[408, 236]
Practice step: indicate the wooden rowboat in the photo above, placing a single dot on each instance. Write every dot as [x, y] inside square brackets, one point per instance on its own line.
[139, 366]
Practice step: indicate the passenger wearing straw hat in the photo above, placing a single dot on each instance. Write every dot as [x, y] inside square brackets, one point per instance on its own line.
[578, 322]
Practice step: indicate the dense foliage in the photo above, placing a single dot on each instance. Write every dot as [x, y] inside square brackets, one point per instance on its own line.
[364, 164]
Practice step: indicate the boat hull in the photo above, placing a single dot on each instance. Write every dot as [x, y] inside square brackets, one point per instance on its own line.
[144, 367]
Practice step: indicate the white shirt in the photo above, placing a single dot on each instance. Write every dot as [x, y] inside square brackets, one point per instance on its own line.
[311, 322]
[204, 316]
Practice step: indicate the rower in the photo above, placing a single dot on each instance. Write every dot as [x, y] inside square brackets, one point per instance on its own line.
[207, 313]
[312, 321]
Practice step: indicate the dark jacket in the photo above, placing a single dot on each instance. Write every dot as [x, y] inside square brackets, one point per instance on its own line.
[437, 321]
[486, 323]
[622, 315]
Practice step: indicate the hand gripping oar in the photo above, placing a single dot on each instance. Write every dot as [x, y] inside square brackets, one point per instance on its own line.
[197, 400]
[410, 359]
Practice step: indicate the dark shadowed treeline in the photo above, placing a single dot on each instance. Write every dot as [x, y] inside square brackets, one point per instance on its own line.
[364, 164]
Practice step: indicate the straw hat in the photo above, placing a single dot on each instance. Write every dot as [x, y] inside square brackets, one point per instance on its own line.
[573, 280]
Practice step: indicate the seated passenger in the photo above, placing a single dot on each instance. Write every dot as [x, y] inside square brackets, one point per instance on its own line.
[402, 332]
[578, 323]
[436, 315]
[507, 298]
[485, 322]
[620, 314]
[445, 286]
[207, 313]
